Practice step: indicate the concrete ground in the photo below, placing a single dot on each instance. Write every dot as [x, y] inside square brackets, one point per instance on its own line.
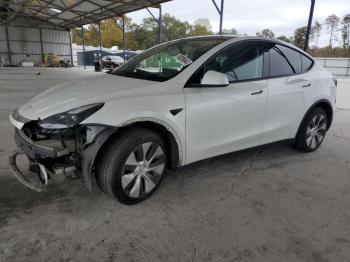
[266, 204]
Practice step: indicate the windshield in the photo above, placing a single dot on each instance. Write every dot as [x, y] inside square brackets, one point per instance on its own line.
[166, 61]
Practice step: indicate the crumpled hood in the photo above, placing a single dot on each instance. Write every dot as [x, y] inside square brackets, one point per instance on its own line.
[76, 93]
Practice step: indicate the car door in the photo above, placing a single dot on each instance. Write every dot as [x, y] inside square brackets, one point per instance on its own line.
[291, 90]
[224, 119]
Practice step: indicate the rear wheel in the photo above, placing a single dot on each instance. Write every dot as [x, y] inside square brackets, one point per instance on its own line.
[133, 166]
[312, 131]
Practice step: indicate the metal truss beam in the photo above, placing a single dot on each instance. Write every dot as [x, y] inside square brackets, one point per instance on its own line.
[221, 13]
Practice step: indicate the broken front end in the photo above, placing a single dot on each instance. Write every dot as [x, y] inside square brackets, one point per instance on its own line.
[57, 145]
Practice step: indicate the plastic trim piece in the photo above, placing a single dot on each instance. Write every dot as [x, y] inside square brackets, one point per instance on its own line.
[21, 178]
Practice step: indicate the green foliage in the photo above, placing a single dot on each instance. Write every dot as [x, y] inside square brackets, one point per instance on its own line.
[299, 36]
[231, 31]
[332, 24]
[285, 39]
[203, 23]
[345, 32]
[316, 32]
[140, 36]
[267, 33]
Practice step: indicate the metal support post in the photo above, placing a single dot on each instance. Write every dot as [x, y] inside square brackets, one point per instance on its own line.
[309, 25]
[124, 38]
[221, 13]
[160, 25]
[8, 44]
[100, 41]
[221, 16]
[82, 36]
[159, 22]
[71, 49]
[41, 46]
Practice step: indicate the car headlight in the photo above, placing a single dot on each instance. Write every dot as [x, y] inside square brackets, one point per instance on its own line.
[69, 118]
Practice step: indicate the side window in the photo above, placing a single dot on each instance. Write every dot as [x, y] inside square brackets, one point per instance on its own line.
[294, 58]
[284, 61]
[242, 61]
[306, 63]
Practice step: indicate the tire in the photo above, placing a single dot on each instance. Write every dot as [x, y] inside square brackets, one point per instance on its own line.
[132, 167]
[312, 131]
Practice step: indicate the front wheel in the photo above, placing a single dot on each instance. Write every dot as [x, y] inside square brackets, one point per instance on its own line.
[312, 131]
[133, 166]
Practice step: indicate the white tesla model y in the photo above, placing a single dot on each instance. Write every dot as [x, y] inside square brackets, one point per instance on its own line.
[174, 104]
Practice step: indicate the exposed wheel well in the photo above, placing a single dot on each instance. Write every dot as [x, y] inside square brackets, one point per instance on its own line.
[167, 136]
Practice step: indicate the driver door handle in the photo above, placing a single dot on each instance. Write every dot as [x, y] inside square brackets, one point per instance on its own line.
[257, 93]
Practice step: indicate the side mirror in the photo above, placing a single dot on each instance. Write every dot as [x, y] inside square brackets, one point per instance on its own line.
[214, 79]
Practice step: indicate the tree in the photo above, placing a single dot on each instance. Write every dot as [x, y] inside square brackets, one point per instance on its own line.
[332, 23]
[316, 32]
[77, 36]
[111, 35]
[91, 35]
[204, 23]
[299, 36]
[200, 30]
[140, 38]
[285, 39]
[345, 32]
[145, 35]
[231, 31]
[267, 33]
[174, 28]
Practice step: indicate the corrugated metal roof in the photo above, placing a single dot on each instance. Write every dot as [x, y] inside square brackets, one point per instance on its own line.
[70, 13]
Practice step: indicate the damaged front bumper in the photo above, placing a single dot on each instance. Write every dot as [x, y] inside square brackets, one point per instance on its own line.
[42, 183]
[39, 149]
[39, 153]
[51, 152]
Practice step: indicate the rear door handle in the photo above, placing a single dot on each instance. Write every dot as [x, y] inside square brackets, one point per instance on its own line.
[307, 85]
[257, 93]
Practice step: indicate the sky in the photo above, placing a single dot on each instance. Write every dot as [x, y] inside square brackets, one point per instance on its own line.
[281, 16]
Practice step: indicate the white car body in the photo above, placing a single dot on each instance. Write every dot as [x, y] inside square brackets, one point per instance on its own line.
[213, 120]
[219, 120]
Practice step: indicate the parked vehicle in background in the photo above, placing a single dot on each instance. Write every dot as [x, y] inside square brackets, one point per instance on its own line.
[172, 105]
[111, 62]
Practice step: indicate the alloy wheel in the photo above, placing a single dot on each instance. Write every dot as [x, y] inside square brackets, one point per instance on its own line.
[143, 169]
[316, 131]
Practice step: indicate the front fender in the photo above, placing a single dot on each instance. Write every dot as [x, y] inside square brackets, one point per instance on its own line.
[90, 152]
[164, 124]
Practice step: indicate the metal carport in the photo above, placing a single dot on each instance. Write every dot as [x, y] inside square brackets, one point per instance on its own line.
[54, 17]
[38, 25]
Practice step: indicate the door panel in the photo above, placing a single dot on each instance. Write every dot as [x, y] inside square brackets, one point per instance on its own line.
[289, 93]
[286, 106]
[224, 119]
